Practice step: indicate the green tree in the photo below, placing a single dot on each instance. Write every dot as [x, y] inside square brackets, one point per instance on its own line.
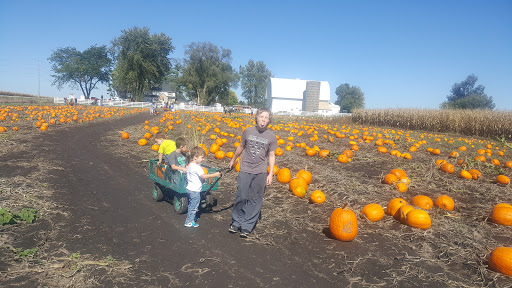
[233, 99]
[141, 61]
[466, 96]
[82, 70]
[207, 73]
[349, 97]
[253, 81]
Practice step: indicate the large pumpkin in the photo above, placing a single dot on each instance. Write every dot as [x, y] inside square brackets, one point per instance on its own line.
[502, 214]
[317, 197]
[418, 218]
[284, 176]
[501, 260]
[373, 212]
[306, 175]
[297, 182]
[343, 224]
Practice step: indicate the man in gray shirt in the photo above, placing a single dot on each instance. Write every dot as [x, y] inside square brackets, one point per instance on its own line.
[257, 148]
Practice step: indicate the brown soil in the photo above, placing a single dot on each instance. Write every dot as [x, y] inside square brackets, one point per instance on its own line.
[100, 227]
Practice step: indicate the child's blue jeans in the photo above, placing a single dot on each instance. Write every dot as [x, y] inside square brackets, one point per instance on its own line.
[193, 204]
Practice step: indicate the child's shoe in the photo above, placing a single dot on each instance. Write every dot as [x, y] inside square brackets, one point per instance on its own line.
[192, 224]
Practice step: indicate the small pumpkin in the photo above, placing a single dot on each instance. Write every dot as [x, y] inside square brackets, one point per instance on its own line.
[401, 214]
[142, 142]
[465, 174]
[508, 164]
[311, 152]
[284, 176]
[503, 180]
[214, 148]
[230, 154]
[317, 197]
[500, 260]
[299, 191]
[323, 153]
[278, 151]
[125, 135]
[475, 173]
[398, 173]
[343, 224]
[394, 205]
[448, 168]
[220, 154]
[305, 174]
[148, 136]
[297, 182]
[342, 158]
[155, 147]
[419, 219]
[445, 202]
[373, 212]
[502, 214]
[390, 179]
[402, 187]
[422, 201]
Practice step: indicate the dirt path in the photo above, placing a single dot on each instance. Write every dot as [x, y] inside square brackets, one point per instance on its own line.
[111, 212]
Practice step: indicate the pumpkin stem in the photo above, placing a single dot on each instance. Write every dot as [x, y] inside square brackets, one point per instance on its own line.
[345, 206]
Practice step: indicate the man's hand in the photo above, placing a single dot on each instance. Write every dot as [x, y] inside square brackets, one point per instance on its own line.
[269, 179]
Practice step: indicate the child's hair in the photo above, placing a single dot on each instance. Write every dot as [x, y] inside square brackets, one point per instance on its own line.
[180, 141]
[196, 152]
[160, 135]
[261, 110]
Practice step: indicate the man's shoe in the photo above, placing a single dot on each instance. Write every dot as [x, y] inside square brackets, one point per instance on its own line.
[244, 234]
[233, 229]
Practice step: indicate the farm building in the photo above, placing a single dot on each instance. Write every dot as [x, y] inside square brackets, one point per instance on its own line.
[296, 95]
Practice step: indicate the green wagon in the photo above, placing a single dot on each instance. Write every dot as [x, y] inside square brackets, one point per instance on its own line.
[172, 185]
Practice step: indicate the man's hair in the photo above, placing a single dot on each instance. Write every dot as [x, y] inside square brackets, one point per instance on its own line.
[160, 135]
[196, 152]
[180, 141]
[261, 110]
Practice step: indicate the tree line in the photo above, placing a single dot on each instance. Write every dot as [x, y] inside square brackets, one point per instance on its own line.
[137, 62]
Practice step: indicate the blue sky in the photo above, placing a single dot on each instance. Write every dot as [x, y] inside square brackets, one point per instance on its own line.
[402, 54]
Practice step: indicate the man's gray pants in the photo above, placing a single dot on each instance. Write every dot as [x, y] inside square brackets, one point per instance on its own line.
[249, 198]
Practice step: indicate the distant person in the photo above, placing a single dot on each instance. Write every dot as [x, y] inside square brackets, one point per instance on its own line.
[76, 101]
[195, 180]
[166, 147]
[152, 109]
[257, 148]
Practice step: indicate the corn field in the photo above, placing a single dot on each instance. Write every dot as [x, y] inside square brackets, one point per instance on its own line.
[482, 123]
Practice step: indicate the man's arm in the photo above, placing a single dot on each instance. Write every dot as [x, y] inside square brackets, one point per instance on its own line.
[238, 151]
[271, 163]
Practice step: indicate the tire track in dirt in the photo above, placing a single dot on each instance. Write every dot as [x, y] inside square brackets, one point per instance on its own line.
[112, 213]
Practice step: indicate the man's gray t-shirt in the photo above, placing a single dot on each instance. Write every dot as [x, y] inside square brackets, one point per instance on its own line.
[257, 145]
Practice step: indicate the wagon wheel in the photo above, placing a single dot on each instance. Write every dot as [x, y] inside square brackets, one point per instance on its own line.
[157, 193]
[180, 205]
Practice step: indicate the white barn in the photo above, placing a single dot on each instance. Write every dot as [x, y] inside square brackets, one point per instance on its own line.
[296, 95]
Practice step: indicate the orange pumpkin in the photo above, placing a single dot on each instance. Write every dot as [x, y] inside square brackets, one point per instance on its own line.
[297, 182]
[147, 135]
[398, 173]
[142, 142]
[448, 168]
[214, 148]
[342, 158]
[230, 154]
[220, 154]
[323, 153]
[475, 174]
[419, 219]
[390, 179]
[508, 164]
[402, 187]
[125, 135]
[373, 212]
[155, 147]
[445, 202]
[500, 260]
[317, 196]
[278, 151]
[394, 205]
[299, 191]
[401, 214]
[422, 201]
[465, 174]
[305, 174]
[343, 224]
[284, 176]
[503, 180]
[311, 152]
[275, 171]
[502, 214]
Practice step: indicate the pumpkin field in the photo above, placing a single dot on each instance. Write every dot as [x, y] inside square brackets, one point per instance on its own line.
[351, 204]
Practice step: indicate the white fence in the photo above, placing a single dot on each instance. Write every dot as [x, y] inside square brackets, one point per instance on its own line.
[118, 103]
[312, 114]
